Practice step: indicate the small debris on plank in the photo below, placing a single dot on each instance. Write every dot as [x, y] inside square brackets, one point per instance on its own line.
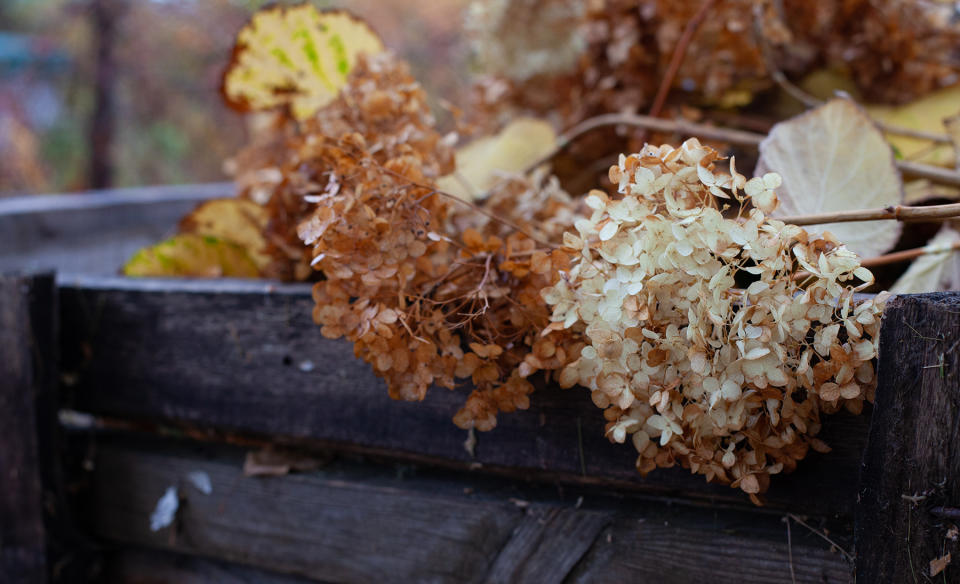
[470, 444]
[166, 509]
[201, 481]
[270, 461]
[940, 564]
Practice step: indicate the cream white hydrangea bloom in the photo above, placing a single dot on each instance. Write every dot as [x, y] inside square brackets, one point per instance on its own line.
[715, 335]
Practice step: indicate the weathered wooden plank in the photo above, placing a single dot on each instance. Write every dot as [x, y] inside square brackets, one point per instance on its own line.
[911, 465]
[139, 566]
[27, 374]
[709, 548]
[354, 522]
[96, 232]
[332, 526]
[246, 356]
[547, 544]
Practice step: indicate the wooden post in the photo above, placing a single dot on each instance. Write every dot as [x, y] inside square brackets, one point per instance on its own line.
[28, 317]
[910, 478]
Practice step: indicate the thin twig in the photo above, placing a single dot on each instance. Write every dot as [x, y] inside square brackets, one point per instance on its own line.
[676, 59]
[896, 212]
[910, 133]
[907, 254]
[793, 575]
[822, 535]
[474, 206]
[933, 173]
[916, 332]
[729, 135]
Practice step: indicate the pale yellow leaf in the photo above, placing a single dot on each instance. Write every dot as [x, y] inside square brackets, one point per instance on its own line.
[483, 161]
[833, 158]
[925, 114]
[933, 272]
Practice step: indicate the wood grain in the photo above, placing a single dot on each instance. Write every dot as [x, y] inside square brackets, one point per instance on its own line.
[27, 329]
[140, 566]
[351, 522]
[912, 462]
[246, 356]
[546, 544]
[331, 526]
[708, 548]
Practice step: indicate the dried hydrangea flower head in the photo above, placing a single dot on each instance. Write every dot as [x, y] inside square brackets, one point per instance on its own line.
[724, 380]
[428, 289]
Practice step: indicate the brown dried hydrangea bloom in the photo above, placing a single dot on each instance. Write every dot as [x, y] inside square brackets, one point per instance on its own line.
[724, 380]
[428, 288]
[893, 50]
[382, 113]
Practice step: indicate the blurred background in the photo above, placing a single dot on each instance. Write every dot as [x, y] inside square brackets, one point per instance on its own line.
[112, 93]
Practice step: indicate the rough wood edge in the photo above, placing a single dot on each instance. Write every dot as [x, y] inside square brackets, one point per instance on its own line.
[912, 460]
[27, 369]
[38, 204]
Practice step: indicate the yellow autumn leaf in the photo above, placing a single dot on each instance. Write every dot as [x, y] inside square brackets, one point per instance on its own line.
[925, 114]
[238, 221]
[480, 163]
[833, 158]
[296, 56]
[192, 255]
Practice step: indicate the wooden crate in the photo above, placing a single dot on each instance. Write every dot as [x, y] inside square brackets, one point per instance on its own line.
[156, 379]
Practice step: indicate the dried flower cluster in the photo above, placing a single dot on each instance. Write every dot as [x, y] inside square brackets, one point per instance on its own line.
[428, 288]
[710, 334]
[726, 380]
[893, 50]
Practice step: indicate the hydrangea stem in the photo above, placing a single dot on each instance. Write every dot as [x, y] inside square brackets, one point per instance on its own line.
[897, 212]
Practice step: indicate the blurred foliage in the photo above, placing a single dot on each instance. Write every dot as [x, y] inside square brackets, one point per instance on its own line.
[170, 123]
